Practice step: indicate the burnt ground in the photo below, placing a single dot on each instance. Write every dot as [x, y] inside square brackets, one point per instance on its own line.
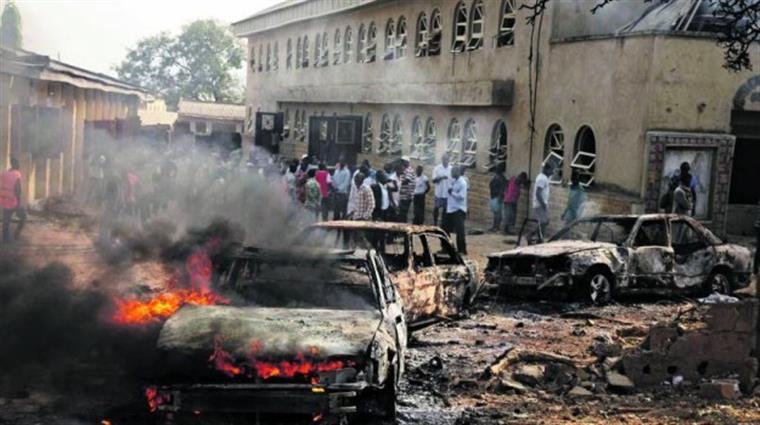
[447, 379]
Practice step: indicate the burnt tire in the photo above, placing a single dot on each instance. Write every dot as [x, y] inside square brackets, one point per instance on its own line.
[719, 281]
[599, 286]
[379, 403]
[388, 396]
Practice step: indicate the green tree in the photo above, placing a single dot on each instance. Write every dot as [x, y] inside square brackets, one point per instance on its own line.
[198, 64]
[10, 26]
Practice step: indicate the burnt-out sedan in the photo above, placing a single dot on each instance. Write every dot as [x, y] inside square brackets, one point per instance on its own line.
[314, 334]
[602, 256]
[434, 281]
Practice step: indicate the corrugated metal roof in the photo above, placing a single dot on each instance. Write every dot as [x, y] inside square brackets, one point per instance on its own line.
[218, 111]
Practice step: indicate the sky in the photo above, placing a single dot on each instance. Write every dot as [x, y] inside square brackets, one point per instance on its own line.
[95, 34]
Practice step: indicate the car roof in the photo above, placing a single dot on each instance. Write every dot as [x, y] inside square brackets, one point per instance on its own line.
[302, 253]
[377, 225]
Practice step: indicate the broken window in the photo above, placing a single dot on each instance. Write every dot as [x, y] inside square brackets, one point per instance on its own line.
[497, 152]
[361, 45]
[324, 53]
[584, 155]
[401, 38]
[454, 146]
[348, 41]
[434, 43]
[386, 133]
[475, 40]
[652, 233]
[554, 152]
[317, 50]
[371, 43]
[261, 57]
[390, 40]
[470, 145]
[507, 20]
[276, 56]
[397, 137]
[337, 47]
[421, 37]
[367, 134]
[305, 52]
[459, 41]
[298, 53]
[289, 54]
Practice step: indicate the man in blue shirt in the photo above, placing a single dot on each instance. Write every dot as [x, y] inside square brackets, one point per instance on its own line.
[341, 183]
[456, 208]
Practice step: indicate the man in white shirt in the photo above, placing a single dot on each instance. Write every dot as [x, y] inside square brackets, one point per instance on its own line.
[540, 201]
[421, 188]
[456, 208]
[441, 180]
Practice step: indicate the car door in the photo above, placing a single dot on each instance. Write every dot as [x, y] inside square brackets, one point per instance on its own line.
[418, 284]
[651, 255]
[394, 314]
[452, 273]
[694, 255]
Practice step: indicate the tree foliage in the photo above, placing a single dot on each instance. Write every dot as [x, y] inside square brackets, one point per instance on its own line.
[198, 64]
[10, 26]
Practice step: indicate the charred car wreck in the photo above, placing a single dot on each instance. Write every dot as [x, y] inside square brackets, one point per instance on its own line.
[434, 281]
[320, 335]
[602, 256]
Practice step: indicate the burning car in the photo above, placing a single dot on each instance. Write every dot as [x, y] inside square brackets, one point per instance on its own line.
[602, 256]
[306, 333]
[433, 279]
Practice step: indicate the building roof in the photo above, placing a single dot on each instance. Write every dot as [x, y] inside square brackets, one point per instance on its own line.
[290, 11]
[41, 67]
[213, 111]
[155, 118]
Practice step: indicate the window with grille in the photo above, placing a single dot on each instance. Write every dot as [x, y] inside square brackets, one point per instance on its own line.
[252, 58]
[584, 155]
[337, 47]
[371, 43]
[459, 41]
[386, 133]
[324, 53]
[361, 45]
[269, 58]
[421, 38]
[423, 140]
[475, 40]
[497, 152]
[289, 54]
[317, 50]
[390, 40]
[554, 152]
[401, 38]
[276, 56]
[507, 21]
[436, 28]
[454, 144]
[348, 41]
[397, 137]
[305, 52]
[367, 134]
[470, 144]
[261, 58]
[299, 51]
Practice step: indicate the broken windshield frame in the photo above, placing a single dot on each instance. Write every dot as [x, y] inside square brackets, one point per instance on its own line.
[610, 230]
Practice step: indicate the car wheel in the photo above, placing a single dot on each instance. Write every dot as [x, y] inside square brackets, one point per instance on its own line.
[599, 287]
[388, 396]
[719, 281]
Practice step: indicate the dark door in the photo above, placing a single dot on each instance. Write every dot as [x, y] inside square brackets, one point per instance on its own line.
[333, 138]
[269, 127]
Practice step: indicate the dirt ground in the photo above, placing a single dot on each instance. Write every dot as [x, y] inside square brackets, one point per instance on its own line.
[446, 374]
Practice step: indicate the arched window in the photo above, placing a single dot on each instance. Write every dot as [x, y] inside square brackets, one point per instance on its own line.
[401, 38]
[367, 134]
[470, 144]
[397, 138]
[554, 151]
[371, 42]
[289, 54]
[317, 50]
[337, 47]
[421, 37]
[507, 20]
[497, 152]
[418, 135]
[386, 133]
[305, 52]
[348, 42]
[459, 40]
[454, 145]
[252, 58]
[584, 155]
[390, 40]
[475, 40]
[324, 53]
[299, 51]
[276, 56]
[269, 58]
[436, 28]
[361, 45]
[423, 140]
[261, 58]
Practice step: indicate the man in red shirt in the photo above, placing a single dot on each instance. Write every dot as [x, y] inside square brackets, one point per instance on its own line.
[10, 200]
[511, 196]
[323, 178]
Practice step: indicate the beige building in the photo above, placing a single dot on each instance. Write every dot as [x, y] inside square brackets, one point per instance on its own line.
[52, 115]
[622, 96]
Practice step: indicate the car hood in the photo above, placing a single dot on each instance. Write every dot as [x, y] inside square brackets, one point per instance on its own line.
[551, 249]
[275, 331]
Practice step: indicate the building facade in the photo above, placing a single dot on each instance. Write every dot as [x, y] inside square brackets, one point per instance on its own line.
[620, 97]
